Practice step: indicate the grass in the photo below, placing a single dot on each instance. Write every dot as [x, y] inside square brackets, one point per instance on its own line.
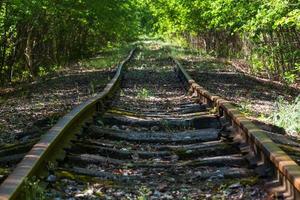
[211, 66]
[245, 107]
[144, 193]
[287, 116]
[108, 57]
[33, 189]
[4, 171]
[143, 93]
[183, 52]
[200, 60]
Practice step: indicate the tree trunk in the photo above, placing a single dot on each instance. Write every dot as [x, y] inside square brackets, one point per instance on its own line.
[4, 41]
[28, 52]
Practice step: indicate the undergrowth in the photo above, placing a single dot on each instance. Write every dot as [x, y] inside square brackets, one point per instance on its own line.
[144, 193]
[109, 57]
[245, 107]
[287, 115]
[33, 189]
[144, 94]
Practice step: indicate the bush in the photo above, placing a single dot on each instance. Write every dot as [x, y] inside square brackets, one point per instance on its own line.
[287, 115]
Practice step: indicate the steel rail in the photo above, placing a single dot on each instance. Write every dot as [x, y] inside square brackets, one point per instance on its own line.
[287, 171]
[59, 135]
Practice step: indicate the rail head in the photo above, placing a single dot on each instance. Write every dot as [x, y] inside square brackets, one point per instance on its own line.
[284, 163]
[30, 164]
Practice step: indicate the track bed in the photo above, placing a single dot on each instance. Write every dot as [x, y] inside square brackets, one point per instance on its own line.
[155, 142]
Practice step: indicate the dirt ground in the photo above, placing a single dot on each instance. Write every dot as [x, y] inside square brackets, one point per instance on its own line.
[28, 112]
[34, 108]
[253, 97]
[227, 82]
[31, 110]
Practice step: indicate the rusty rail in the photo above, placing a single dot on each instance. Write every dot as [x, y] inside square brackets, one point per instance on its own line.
[286, 170]
[60, 135]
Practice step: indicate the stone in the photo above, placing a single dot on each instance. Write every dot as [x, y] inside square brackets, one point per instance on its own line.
[99, 123]
[226, 193]
[155, 128]
[156, 193]
[89, 192]
[171, 179]
[235, 186]
[119, 194]
[51, 179]
[67, 191]
[167, 196]
[115, 127]
[123, 127]
[174, 158]
[25, 139]
[189, 151]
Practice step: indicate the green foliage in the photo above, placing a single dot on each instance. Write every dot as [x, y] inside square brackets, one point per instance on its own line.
[263, 32]
[287, 115]
[32, 189]
[292, 18]
[289, 77]
[144, 193]
[107, 57]
[39, 35]
[143, 93]
[245, 107]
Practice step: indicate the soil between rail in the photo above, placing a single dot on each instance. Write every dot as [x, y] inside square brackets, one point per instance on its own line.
[143, 146]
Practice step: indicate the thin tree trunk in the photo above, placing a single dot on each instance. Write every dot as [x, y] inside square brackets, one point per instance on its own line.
[4, 41]
[28, 52]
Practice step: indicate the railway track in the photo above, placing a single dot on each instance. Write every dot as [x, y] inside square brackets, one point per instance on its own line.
[154, 133]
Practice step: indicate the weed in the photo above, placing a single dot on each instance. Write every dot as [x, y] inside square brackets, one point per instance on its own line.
[122, 93]
[287, 115]
[290, 77]
[143, 94]
[43, 71]
[33, 189]
[2, 127]
[53, 120]
[187, 198]
[166, 126]
[108, 57]
[214, 110]
[140, 56]
[245, 107]
[4, 171]
[144, 193]
[51, 166]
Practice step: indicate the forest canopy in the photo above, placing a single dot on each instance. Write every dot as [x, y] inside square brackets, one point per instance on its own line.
[40, 35]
